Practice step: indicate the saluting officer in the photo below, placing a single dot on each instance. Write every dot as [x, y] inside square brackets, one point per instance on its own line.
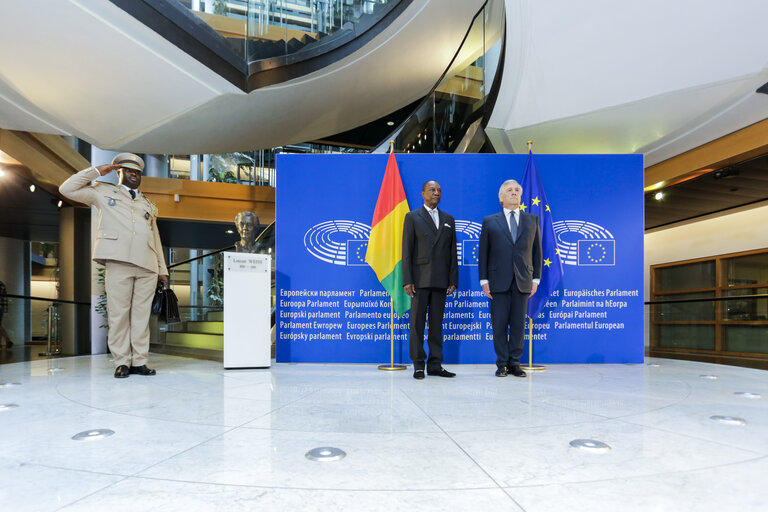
[128, 245]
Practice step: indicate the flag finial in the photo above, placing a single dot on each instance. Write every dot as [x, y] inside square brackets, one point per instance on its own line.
[392, 146]
[530, 144]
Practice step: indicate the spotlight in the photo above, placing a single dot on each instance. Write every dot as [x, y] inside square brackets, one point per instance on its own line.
[725, 173]
[658, 196]
[229, 232]
[31, 188]
[390, 123]
[60, 203]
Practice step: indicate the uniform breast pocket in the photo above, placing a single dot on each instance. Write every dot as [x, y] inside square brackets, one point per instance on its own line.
[148, 218]
[422, 261]
[112, 200]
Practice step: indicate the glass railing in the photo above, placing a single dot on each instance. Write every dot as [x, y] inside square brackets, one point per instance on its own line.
[257, 168]
[265, 29]
[731, 328]
[38, 327]
[197, 279]
[285, 27]
[452, 117]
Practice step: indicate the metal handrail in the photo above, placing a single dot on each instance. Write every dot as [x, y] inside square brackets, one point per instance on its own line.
[190, 260]
[80, 303]
[710, 299]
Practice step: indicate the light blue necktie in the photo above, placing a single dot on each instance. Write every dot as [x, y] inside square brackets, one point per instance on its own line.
[513, 226]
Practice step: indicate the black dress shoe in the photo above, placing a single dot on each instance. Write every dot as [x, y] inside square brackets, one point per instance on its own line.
[418, 374]
[501, 372]
[142, 370]
[121, 372]
[517, 371]
[442, 372]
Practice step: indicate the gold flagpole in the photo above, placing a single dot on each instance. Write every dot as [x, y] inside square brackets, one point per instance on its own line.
[531, 366]
[392, 366]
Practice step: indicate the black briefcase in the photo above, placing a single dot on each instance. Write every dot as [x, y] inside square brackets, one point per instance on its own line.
[166, 305]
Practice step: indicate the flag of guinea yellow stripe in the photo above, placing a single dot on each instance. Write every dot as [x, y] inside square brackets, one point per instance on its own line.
[385, 245]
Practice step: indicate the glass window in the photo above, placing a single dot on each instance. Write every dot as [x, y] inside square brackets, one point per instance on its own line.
[690, 276]
[747, 309]
[745, 270]
[700, 337]
[685, 311]
[746, 338]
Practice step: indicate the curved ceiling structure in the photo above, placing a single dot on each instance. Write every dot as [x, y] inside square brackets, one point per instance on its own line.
[654, 77]
[89, 69]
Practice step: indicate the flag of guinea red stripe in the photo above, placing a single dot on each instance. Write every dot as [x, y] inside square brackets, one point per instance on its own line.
[385, 245]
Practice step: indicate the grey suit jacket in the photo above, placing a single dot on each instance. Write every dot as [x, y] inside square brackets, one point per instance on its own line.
[501, 260]
[127, 228]
[430, 258]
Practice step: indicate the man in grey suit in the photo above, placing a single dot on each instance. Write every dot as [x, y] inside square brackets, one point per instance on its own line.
[430, 273]
[128, 245]
[510, 271]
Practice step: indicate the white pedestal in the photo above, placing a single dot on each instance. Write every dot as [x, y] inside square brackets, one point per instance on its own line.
[247, 310]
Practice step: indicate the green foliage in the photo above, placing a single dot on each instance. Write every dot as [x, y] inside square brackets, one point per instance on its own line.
[101, 302]
[215, 290]
[220, 7]
[221, 176]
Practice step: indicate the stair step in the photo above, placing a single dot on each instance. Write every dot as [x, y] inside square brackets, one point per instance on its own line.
[204, 327]
[195, 340]
[215, 316]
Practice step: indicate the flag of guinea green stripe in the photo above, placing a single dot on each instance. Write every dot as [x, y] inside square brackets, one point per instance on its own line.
[385, 245]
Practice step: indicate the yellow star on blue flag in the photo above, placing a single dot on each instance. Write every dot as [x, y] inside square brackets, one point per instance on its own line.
[552, 271]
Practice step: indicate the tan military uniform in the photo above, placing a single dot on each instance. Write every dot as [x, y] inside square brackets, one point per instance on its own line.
[128, 245]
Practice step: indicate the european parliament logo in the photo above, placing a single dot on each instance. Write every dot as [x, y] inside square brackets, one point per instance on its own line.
[345, 242]
[338, 241]
[467, 242]
[585, 243]
[597, 252]
[356, 250]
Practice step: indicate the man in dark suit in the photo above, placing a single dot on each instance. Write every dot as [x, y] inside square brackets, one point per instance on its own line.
[510, 270]
[430, 272]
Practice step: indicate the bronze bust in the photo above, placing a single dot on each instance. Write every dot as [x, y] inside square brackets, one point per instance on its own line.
[247, 224]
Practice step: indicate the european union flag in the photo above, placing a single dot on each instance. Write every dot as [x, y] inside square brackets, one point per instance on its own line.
[597, 252]
[470, 252]
[356, 250]
[535, 201]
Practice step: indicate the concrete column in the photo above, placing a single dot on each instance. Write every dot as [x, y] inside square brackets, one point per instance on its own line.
[194, 167]
[74, 279]
[12, 273]
[206, 167]
[194, 284]
[100, 157]
[156, 166]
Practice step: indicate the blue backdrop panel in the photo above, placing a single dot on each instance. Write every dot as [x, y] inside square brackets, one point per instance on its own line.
[331, 307]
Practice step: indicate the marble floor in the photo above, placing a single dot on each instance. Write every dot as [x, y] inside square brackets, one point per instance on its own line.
[198, 438]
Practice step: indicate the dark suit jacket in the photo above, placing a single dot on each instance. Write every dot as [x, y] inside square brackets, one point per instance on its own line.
[500, 259]
[429, 254]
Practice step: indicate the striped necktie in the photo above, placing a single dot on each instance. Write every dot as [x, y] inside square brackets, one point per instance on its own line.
[513, 226]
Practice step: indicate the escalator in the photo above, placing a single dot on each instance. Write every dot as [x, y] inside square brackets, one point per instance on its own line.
[452, 117]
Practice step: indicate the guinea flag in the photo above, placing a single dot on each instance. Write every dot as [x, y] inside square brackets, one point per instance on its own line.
[385, 245]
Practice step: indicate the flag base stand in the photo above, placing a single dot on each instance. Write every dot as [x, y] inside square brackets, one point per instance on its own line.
[531, 366]
[392, 367]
